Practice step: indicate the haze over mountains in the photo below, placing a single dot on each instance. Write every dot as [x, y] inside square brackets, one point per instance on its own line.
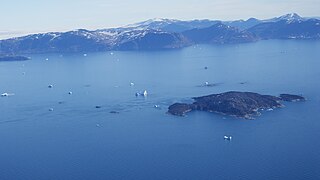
[165, 34]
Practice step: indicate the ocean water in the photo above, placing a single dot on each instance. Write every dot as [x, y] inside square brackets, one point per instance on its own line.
[77, 141]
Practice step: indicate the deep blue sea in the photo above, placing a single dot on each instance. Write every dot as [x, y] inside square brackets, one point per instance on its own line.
[77, 141]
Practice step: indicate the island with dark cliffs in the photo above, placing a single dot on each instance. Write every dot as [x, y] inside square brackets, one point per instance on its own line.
[239, 104]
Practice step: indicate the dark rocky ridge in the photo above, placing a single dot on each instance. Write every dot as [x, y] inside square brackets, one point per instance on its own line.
[239, 104]
[219, 34]
[288, 29]
[93, 41]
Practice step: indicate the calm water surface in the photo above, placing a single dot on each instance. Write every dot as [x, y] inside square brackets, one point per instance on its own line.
[77, 141]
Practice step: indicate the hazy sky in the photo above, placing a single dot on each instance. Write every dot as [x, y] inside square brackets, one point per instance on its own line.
[23, 16]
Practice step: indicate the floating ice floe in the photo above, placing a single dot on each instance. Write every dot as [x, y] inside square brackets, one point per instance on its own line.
[50, 86]
[207, 84]
[85, 55]
[50, 109]
[144, 93]
[131, 84]
[47, 59]
[156, 106]
[227, 138]
[70, 92]
[7, 94]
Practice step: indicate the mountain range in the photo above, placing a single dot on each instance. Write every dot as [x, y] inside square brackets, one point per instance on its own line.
[158, 34]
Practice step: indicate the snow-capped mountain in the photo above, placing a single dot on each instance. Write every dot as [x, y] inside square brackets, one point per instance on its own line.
[156, 23]
[251, 22]
[290, 26]
[171, 25]
[165, 34]
[101, 40]
[292, 17]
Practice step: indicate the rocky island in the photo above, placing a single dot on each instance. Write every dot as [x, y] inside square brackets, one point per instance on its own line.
[238, 104]
[13, 58]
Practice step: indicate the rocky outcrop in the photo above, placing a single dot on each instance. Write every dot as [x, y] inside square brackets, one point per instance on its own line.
[291, 98]
[180, 109]
[239, 104]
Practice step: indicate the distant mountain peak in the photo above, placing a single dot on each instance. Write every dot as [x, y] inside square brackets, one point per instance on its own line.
[150, 23]
[162, 20]
[290, 16]
[158, 20]
[252, 19]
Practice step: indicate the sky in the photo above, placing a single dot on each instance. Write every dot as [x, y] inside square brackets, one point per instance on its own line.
[19, 17]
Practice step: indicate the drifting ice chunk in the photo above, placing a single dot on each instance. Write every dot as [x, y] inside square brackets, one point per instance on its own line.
[227, 138]
[7, 94]
[145, 93]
